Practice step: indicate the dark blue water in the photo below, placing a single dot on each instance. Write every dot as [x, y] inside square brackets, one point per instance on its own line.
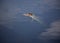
[14, 28]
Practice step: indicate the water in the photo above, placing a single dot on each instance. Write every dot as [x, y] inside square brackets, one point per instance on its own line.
[16, 28]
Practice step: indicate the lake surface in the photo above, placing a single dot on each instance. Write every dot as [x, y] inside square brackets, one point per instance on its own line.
[16, 28]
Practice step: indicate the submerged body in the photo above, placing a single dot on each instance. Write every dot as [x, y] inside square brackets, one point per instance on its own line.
[34, 17]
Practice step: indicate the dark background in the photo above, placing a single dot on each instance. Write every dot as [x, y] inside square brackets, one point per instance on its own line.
[15, 28]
